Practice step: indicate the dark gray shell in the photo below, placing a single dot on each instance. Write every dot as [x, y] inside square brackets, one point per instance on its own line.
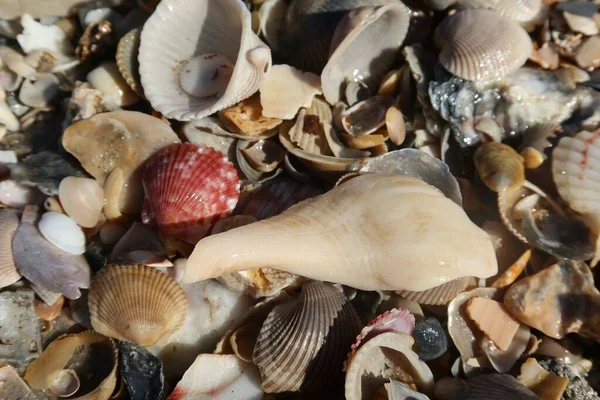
[141, 371]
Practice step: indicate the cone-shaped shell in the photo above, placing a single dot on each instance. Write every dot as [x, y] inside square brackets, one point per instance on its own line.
[302, 344]
[377, 34]
[471, 41]
[357, 235]
[182, 30]
[188, 188]
[9, 222]
[136, 303]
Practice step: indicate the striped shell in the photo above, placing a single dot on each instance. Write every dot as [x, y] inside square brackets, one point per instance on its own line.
[438, 295]
[188, 188]
[136, 303]
[127, 59]
[576, 171]
[302, 344]
[472, 40]
[519, 10]
[498, 387]
[9, 222]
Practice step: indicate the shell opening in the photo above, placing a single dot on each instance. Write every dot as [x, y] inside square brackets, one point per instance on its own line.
[206, 75]
[64, 383]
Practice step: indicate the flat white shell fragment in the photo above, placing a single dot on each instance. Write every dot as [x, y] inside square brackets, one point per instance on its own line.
[62, 232]
[37, 36]
[285, 90]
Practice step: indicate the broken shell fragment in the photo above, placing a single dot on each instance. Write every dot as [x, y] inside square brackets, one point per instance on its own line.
[491, 317]
[512, 273]
[500, 167]
[107, 79]
[289, 331]
[62, 232]
[48, 312]
[259, 160]
[158, 305]
[283, 243]
[246, 118]
[9, 222]
[82, 199]
[180, 45]
[285, 90]
[470, 40]
[542, 382]
[141, 371]
[504, 360]
[557, 300]
[218, 376]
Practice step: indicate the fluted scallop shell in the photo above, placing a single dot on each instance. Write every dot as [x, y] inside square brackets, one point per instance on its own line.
[500, 167]
[9, 222]
[136, 303]
[376, 35]
[180, 30]
[519, 10]
[127, 59]
[188, 188]
[438, 295]
[82, 199]
[90, 355]
[302, 344]
[471, 40]
[576, 171]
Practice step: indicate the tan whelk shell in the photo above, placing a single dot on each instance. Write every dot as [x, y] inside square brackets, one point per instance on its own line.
[470, 41]
[305, 340]
[136, 303]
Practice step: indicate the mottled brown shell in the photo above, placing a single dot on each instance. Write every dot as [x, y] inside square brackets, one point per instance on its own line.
[500, 167]
[136, 303]
[481, 45]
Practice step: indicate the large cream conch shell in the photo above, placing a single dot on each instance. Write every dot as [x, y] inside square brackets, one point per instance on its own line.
[200, 56]
[372, 232]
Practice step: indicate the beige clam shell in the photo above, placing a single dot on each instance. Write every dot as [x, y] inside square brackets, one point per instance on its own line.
[302, 344]
[82, 199]
[180, 30]
[86, 351]
[136, 303]
[9, 222]
[471, 41]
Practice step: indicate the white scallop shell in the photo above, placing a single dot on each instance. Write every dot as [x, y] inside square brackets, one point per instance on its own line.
[180, 30]
[377, 34]
[62, 232]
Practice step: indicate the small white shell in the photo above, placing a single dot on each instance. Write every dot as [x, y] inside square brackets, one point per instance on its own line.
[15, 62]
[179, 31]
[82, 199]
[37, 36]
[107, 79]
[39, 93]
[285, 90]
[62, 232]
[16, 195]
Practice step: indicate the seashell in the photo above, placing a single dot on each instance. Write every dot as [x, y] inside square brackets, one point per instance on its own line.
[16, 195]
[260, 282]
[470, 39]
[587, 55]
[285, 90]
[520, 10]
[416, 163]
[356, 91]
[259, 160]
[12, 385]
[97, 41]
[367, 116]
[114, 187]
[60, 271]
[247, 247]
[38, 94]
[449, 388]
[308, 133]
[186, 202]
[319, 325]
[398, 391]
[504, 360]
[127, 59]
[492, 319]
[82, 199]
[364, 142]
[158, 307]
[218, 376]
[10, 81]
[195, 61]
[48, 312]
[538, 300]
[87, 354]
[64, 383]
[107, 79]
[197, 132]
[15, 61]
[463, 331]
[541, 382]
[378, 358]
[338, 148]
[138, 238]
[53, 204]
[498, 386]
[512, 273]
[141, 371]
[438, 295]
[532, 158]
[9, 222]
[94, 143]
[376, 33]
[499, 167]
[431, 339]
[395, 125]
[62, 232]
[246, 118]
[38, 36]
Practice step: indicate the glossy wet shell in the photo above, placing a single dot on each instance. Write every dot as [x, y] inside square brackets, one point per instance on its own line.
[9, 222]
[302, 344]
[127, 59]
[500, 167]
[82, 199]
[470, 41]
[136, 303]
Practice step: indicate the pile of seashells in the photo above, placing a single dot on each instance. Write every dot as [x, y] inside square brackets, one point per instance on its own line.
[299, 199]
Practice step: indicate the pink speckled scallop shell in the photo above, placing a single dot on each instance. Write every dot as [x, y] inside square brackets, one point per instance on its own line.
[188, 187]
